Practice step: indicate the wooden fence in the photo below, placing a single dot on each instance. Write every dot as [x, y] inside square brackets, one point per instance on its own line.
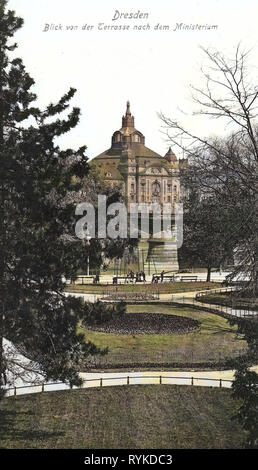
[121, 380]
[242, 312]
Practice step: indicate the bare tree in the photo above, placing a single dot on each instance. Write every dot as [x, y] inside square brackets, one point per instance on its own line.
[227, 166]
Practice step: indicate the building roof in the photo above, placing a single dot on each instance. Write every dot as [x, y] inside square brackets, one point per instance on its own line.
[129, 138]
[170, 156]
[138, 150]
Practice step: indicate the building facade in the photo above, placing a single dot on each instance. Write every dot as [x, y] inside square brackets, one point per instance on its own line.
[144, 177]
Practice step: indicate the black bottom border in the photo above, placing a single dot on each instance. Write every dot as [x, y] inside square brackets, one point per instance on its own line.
[122, 458]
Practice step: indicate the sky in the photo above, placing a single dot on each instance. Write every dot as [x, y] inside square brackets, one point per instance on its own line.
[152, 68]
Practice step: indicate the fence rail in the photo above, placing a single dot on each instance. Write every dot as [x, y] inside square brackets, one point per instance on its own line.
[216, 291]
[215, 308]
[121, 380]
[241, 312]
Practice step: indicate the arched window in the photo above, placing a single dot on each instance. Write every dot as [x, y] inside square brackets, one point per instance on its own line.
[136, 138]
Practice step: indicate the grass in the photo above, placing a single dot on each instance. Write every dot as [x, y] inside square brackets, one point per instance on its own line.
[215, 341]
[133, 417]
[230, 300]
[166, 288]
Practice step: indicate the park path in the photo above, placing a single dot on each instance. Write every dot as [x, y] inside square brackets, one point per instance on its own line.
[189, 298]
[181, 298]
[162, 297]
[171, 377]
[206, 378]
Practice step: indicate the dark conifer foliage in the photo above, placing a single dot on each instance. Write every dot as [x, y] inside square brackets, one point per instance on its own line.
[35, 256]
[245, 386]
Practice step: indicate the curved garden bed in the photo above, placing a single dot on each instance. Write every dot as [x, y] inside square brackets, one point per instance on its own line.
[146, 323]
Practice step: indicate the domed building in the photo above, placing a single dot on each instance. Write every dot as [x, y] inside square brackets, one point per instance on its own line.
[144, 177]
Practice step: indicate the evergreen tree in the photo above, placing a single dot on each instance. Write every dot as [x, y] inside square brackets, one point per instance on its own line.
[35, 253]
[245, 385]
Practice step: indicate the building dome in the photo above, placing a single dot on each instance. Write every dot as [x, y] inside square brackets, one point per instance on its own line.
[127, 134]
[130, 162]
[170, 156]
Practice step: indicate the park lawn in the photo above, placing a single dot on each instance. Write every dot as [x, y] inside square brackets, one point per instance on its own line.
[122, 417]
[214, 341]
[230, 300]
[165, 288]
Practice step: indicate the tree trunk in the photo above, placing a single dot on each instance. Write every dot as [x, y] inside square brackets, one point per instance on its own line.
[208, 274]
[255, 270]
[254, 279]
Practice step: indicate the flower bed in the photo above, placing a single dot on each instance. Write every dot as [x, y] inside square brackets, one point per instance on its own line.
[146, 323]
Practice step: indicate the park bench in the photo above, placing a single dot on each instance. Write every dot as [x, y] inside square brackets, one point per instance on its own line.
[124, 279]
[166, 278]
[139, 280]
[170, 278]
[189, 278]
[87, 278]
[80, 280]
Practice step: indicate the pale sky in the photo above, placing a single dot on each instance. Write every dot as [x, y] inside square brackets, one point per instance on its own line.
[151, 68]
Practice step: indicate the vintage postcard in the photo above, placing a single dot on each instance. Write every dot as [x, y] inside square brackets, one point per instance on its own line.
[129, 222]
